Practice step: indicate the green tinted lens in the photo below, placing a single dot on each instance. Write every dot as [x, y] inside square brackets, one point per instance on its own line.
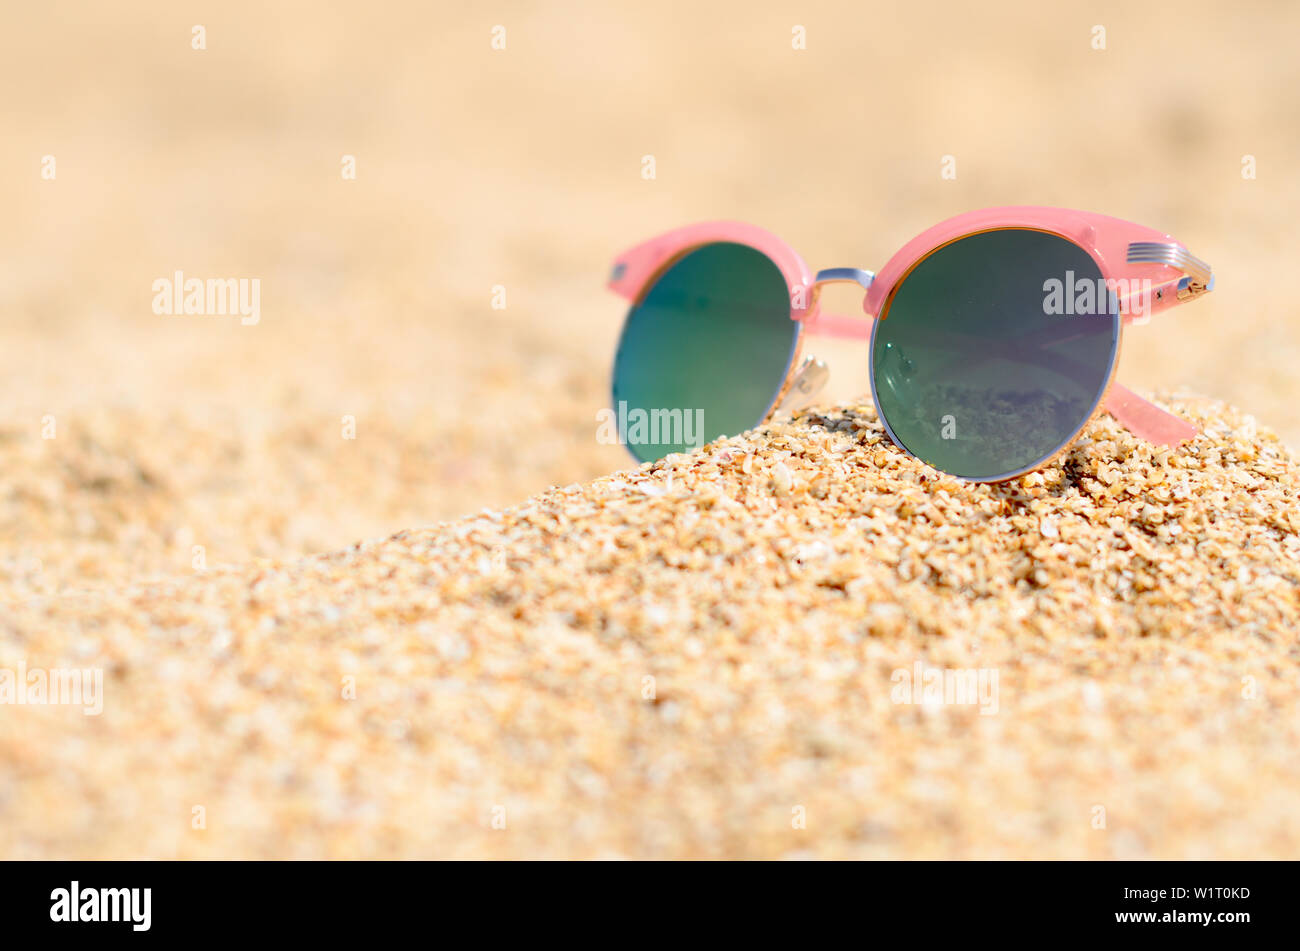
[994, 351]
[704, 352]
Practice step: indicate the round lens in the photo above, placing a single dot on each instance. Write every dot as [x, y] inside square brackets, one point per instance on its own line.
[704, 353]
[994, 351]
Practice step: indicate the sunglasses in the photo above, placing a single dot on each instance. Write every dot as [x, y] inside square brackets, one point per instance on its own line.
[995, 338]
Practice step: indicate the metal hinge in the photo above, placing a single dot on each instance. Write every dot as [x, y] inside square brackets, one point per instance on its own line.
[1200, 277]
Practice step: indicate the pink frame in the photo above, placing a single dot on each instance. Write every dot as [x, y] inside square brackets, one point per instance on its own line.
[1111, 242]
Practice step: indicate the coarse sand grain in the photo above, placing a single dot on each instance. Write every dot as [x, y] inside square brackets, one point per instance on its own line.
[724, 654]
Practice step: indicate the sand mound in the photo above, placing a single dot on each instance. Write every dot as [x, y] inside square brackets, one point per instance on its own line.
[794, 642]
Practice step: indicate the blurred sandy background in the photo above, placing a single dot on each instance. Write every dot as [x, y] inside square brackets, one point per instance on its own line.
[522, 167]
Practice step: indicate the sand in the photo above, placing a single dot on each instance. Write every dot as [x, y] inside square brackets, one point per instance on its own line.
[713, 656]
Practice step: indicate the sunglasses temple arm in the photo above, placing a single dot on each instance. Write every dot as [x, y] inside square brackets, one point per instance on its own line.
[840, 326]
[1140, 417]
[1146, 420]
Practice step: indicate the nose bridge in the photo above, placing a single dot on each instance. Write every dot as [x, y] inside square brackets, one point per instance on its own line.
[844, 275]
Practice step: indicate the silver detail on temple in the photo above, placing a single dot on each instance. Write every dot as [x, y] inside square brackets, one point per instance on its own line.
[1199, 279]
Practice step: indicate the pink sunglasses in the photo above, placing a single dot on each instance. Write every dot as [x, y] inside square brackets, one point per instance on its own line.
[995, 338]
